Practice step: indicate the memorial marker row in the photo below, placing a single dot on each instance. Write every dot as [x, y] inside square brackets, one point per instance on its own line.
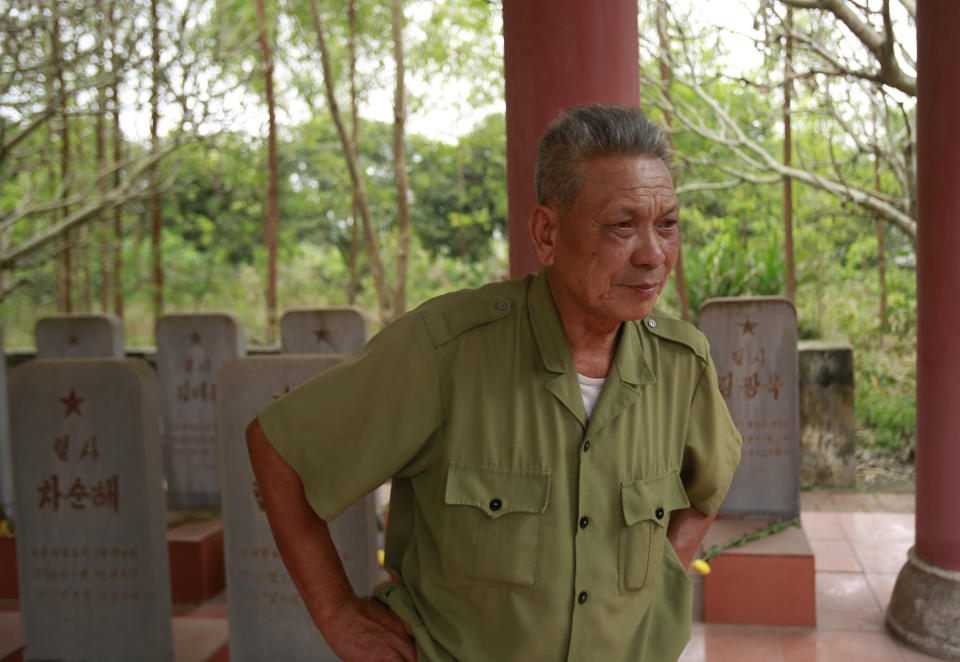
[91, 540]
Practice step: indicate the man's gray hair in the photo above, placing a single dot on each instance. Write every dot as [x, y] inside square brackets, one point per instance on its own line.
[582, 133]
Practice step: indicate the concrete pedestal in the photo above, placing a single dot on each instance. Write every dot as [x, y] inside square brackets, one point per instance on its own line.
[925, 608]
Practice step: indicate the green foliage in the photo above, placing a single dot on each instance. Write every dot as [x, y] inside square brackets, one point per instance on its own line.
[885, 395]
[729, 264]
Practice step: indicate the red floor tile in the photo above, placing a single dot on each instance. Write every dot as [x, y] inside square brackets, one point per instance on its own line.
[844, 590]
[864, 620]
[835, 646]
[877, 527]
[881, 556]
[822, 526]
[855, 502]
[897, 503]
[725, 643]
[881, 583]
[834, 556]
[913, 655]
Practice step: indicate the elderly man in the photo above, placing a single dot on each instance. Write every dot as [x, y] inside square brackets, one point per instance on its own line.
[557, 446]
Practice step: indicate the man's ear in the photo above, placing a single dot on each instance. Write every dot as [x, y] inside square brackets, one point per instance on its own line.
[542, 226]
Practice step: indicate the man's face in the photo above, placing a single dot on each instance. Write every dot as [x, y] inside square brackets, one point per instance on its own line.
[613, 250]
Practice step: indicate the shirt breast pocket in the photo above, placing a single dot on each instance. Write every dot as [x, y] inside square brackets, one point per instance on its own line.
[493, 524]
[647, 504]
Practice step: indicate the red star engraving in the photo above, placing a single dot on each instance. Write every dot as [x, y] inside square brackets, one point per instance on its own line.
[747, 327]
[321, 334]
[195, 337]
[73, 404]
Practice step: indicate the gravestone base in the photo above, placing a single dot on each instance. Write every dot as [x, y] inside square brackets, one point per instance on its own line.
[9, 583]
[196, 561]
[771, 581]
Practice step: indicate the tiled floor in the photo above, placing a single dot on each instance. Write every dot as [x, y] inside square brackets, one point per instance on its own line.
[860, 542]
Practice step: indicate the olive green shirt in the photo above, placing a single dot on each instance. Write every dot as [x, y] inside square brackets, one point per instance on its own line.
[518, 529]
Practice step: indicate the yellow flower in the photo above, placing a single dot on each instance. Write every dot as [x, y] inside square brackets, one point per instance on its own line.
[701, 566]
[5, 531]
[380, 556]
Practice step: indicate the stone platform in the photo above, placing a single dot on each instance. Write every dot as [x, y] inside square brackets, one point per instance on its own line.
[771, 581]
[196, 561]
[195, 550]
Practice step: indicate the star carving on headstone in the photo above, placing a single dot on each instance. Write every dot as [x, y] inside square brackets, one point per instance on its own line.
[72, 403]
[195, 337]
[73, 340]
[747, 326]
[321, 334]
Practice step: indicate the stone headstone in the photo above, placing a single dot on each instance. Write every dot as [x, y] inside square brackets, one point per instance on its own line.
[827, 442]
[267, 617]
[79, 336]
[6, 461]
[753, 341]
[191, 349]
[334, 330]
[91, 535]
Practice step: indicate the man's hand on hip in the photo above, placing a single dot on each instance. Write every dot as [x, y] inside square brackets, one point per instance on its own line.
[365, 629]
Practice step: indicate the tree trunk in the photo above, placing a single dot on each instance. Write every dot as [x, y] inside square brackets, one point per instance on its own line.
[117, 154]
[354, 285]
[881, 252]
[155, 208]
[400, 162]
[680, 281]
[66, 266]
[270, 230]
[359, 190]
[103, 227]
[791, 287]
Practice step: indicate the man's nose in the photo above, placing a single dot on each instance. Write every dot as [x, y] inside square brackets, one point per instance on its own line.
[648, 251]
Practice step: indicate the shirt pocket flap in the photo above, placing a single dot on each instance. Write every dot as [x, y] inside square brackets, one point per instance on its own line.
[495, 491]
[652, 498]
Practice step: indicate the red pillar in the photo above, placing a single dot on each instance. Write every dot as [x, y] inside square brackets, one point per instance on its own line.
[558, 53]
[938, 283]
[925, 607]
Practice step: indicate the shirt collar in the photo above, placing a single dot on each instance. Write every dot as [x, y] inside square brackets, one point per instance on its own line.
[629, 363]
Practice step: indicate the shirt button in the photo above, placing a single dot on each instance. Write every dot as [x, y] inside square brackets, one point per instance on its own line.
[582, 597]
[584, 522]
[496, 504]
[502, 305]
[652, 323]
[658, 512]
[586, 446]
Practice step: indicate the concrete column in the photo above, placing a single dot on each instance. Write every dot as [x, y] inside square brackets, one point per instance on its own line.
[925, 607]
[558, 53]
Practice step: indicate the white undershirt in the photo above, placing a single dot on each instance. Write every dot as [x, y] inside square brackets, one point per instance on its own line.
[590, 388]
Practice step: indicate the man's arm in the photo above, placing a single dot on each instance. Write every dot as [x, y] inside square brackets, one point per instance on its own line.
[686, 531]
[356, 628]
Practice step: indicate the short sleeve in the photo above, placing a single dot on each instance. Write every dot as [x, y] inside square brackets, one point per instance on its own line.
[352, 427]
[712, 447]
